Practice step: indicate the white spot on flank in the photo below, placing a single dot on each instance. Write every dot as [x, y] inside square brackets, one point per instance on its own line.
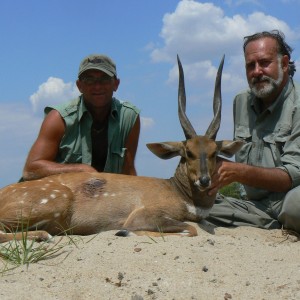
[25, 194]
[50, 181]
[65, 195]
[198, 211]
[105, 194]
[53, 196]
[56, 215]
[44, 201]
[43, 189]
[57, 191]
[21, 202]
[113, 194]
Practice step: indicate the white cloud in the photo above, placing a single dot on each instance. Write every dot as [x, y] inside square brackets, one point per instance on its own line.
[18, 130]
[198, 31]
[147, 122]
[17, 122]
[52, 92]
[202, 74]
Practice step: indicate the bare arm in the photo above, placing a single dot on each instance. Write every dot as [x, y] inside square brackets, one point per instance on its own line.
[272, 179]
[41, 158]
[131, 145]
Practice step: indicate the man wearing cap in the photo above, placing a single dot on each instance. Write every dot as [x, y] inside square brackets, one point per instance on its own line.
[95, 132]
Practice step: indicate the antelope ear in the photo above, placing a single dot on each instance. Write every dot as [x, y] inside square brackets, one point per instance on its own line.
[229, 148]
[166, 150]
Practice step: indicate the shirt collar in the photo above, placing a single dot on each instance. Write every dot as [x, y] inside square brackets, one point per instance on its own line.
[114, 110]
[83, 110]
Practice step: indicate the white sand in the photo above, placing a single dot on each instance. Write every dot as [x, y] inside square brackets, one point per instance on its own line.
[241, 263]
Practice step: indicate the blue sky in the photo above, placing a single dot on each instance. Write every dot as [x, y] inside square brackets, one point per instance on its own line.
[43, 42]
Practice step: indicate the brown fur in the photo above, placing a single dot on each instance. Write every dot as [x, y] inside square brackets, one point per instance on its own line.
[87, 203]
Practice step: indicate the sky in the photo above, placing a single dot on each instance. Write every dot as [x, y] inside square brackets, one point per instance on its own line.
[43, 42]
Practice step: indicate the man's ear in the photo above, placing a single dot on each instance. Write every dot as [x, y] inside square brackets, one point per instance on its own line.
[285, 63]
[78, 83]
[116, 84]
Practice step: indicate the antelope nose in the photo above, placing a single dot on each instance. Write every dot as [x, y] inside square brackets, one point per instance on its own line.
[204, 181]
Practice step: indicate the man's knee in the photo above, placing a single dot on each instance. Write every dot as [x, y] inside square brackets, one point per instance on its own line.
[289, 215]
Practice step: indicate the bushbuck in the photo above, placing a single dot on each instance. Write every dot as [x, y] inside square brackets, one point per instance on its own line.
[86, 203]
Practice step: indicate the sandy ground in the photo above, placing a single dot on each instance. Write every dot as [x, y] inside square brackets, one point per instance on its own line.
[220, 263]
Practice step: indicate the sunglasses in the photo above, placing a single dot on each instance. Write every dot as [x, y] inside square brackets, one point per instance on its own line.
[89, 80]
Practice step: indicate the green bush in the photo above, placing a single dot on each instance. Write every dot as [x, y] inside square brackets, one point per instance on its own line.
[234, 190]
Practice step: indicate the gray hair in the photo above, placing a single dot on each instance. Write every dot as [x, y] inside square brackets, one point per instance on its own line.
[282, 47]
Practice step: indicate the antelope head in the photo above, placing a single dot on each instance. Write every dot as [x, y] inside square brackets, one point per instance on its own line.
[198, 153]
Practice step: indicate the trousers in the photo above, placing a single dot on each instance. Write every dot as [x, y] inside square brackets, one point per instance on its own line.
[264, 213]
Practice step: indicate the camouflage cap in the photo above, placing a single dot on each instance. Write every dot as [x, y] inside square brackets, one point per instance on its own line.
[98, 62]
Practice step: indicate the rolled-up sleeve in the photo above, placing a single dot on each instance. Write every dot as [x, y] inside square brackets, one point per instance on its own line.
[290, 157]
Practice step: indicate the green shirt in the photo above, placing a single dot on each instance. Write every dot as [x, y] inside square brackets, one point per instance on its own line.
[76, 144]
[272, 137]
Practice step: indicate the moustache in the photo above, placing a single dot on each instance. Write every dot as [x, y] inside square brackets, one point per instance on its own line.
[261, 79]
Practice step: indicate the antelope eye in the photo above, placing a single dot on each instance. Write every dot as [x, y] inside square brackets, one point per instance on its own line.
[189, 154]
[213, 155]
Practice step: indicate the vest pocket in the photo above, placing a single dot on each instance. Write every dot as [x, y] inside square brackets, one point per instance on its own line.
[119, 152]
[282, 136]
[276, 142]
[115, 160]
[243, 133]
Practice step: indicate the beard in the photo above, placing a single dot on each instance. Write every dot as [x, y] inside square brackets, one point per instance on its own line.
[270, 85]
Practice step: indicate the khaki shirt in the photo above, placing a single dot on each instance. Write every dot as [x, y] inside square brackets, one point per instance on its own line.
[76, 144]
[272, 137]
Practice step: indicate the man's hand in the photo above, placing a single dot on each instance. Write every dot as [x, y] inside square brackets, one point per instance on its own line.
[225, 173]
[271, 179]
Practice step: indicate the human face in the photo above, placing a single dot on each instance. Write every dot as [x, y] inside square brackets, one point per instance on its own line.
[266, 70]
[97, 88]
[271, 85]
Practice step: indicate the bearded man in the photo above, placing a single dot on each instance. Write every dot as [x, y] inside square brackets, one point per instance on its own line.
[267, 119]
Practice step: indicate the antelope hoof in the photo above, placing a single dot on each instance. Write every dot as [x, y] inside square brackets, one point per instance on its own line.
[123, 233]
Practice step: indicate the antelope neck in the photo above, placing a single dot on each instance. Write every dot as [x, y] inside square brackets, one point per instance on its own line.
[183, 185]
